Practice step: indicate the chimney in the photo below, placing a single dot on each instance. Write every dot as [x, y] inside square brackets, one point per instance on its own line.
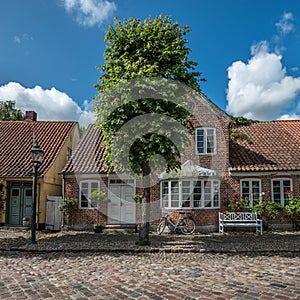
[30, 116]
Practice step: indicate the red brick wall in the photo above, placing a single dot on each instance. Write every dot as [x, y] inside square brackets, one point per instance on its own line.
[202, 217]
[87, 216]
[219, 162]
[71, 188]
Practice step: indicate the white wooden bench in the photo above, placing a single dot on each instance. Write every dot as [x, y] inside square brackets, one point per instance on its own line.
[240, 219]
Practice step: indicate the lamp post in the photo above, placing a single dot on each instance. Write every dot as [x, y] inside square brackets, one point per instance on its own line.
[37, 156]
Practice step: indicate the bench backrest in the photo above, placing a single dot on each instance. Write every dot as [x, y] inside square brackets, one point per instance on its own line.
[238, 216]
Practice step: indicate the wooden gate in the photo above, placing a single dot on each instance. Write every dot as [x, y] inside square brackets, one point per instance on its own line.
[53, 213]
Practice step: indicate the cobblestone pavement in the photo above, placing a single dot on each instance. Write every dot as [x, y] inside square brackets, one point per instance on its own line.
[148, 276]
[83, 265]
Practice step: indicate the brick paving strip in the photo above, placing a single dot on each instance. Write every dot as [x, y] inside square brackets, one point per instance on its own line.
[84, 265]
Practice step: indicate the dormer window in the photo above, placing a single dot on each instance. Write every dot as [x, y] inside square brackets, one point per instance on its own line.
[205, 140]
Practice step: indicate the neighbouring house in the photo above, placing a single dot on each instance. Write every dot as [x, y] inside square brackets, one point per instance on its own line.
[86, 172]
[56, 139]
[269, 166]
[213, 169]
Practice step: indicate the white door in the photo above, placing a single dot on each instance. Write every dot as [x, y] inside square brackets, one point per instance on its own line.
[121, 208]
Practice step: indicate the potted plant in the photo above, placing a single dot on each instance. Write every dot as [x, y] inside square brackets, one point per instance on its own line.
[26, 221]
[97, 197]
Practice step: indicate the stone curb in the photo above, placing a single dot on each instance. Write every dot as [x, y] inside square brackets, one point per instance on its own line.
[152, 250]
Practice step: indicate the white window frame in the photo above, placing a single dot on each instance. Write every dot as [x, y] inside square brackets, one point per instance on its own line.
[89, 191]
[283, 200]
[172, 197]
[250, 197]
[205, 141]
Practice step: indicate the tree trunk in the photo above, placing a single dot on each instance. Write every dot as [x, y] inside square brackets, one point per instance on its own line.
[145, 214]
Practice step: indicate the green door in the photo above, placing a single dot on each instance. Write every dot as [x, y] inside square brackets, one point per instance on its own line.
[20, 203]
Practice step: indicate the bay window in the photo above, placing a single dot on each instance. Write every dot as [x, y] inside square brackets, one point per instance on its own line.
[195, 193]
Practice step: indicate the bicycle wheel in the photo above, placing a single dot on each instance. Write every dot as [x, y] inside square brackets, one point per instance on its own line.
[161, 227]
[187, 226]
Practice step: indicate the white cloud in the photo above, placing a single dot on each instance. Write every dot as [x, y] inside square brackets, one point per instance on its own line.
[17, 39]
[285, 25]
[22, 38]
[260, 89]
[49, 104]
[87, 116]
[90, 12]
[292, 116]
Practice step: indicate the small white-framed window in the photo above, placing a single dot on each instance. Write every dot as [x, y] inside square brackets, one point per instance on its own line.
[280, 186]
[205, 140]
[69, 153]
[86, 188]
[251, 189]
[190, 193]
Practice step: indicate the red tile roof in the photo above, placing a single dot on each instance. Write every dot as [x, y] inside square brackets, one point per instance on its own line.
[88, 156]
[16, 144]
[275, 147]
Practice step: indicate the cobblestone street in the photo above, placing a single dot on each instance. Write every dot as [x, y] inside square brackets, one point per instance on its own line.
[148, 276]
[221, 269]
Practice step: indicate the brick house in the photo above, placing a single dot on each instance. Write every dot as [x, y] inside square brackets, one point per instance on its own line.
[212, 169]
[56, 139]
[198, 187]
[268, 166]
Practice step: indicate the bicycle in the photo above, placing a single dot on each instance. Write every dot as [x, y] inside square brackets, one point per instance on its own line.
[185, 225]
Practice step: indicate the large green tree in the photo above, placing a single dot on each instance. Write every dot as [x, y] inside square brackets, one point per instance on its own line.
[136, 53]
[8, 112]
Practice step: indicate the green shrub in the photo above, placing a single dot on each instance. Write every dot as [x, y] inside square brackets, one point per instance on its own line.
[69, 206]
[267, 210]
[138, 198]
[293, 211]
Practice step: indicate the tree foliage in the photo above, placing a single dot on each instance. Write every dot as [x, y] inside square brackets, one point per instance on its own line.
[152, 48]
[8, 112]
[135, 49]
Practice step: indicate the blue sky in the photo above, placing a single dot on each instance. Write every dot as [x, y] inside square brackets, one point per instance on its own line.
[248, 51]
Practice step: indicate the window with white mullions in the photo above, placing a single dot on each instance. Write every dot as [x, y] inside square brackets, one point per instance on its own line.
[280, 186]
[251, 189]
[190, 193]
[186, 193]
[174, 194]
[197, 194]
[86, 188]
[205, 141]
